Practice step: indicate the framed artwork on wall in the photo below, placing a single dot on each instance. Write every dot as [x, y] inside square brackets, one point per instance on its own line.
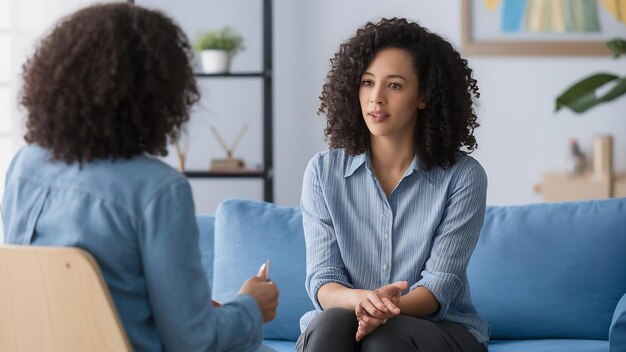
[541, 27]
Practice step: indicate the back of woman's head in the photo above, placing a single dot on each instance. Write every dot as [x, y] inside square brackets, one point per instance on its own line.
[110, 81]
[447, 122]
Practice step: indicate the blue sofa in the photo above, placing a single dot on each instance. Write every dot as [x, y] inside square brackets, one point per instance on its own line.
[547, 277]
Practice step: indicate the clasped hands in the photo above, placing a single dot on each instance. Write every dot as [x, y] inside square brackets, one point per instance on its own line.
[377, 307]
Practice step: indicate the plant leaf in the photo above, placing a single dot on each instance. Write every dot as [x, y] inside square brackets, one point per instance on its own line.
[618, 90]
[618, 46]
[582, 95]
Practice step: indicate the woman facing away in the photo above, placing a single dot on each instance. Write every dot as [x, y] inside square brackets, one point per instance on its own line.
[392, 212]
[102, 92]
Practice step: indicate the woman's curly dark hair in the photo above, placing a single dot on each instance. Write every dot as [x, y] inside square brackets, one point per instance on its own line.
[110, 81]
[447, 122]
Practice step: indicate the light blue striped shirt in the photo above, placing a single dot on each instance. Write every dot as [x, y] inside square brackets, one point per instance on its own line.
[424, 232]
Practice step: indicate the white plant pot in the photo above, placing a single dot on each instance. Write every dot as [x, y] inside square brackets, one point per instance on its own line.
[215, 61]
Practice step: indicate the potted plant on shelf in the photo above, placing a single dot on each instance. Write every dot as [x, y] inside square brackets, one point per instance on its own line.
[597, 88]
[217, 48]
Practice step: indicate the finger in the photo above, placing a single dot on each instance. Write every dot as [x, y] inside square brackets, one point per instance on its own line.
[272, 285]
[367, 329]
[371, 310]
[361, 333]
[401, 285]
[375, 299]
[391, 306]
[367, 321]
[364, 328]
[395, 299]
[358, 311]
[360, 329]
[391, 291]
[273, 305]
[271, 315]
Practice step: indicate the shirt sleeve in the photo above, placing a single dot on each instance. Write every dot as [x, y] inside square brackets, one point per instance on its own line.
[324, 263]
[455, 239]
[178, 289]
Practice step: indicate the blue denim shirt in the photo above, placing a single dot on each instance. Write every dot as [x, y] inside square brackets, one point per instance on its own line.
[424, 232]
[136, 217]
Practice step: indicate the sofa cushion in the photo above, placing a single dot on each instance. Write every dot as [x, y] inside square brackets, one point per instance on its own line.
[548, 345]
[246, 234]
[617, 331]
[550, 270]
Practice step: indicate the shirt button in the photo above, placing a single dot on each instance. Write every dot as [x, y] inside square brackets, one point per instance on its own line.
[385, 267]
[386, 236]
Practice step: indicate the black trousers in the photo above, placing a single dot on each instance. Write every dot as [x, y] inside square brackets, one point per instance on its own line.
[334, 330]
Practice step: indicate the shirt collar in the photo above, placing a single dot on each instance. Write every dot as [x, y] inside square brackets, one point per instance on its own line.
[355, 163]
[413, 167]
[364, 158]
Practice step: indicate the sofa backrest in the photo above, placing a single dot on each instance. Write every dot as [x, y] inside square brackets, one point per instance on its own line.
[554, 270]
[246, 234]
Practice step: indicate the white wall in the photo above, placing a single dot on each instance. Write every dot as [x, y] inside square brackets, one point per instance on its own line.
[521, 136]
[519, 139]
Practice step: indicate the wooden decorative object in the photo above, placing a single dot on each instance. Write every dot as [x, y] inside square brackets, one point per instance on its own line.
[603, 157]
[229, 163]
[600, 182]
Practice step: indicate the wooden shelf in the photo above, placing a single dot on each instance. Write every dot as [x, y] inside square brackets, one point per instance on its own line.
[619, 185]
[246, 173]
[266, 174]
[561, 187]
[232, 75]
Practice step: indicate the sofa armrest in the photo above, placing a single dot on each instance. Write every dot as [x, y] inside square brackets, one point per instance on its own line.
[617, 331]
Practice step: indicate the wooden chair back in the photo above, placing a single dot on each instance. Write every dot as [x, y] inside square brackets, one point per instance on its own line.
[54, 298]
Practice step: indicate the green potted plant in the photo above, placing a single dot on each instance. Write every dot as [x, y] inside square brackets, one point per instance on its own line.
[217, 48]
[597, 88]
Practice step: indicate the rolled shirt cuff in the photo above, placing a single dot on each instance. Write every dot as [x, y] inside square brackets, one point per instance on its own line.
[323, 280]
[444, 286]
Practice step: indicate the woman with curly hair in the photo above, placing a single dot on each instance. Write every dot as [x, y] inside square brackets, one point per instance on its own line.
[393, 210]
[104, 91]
